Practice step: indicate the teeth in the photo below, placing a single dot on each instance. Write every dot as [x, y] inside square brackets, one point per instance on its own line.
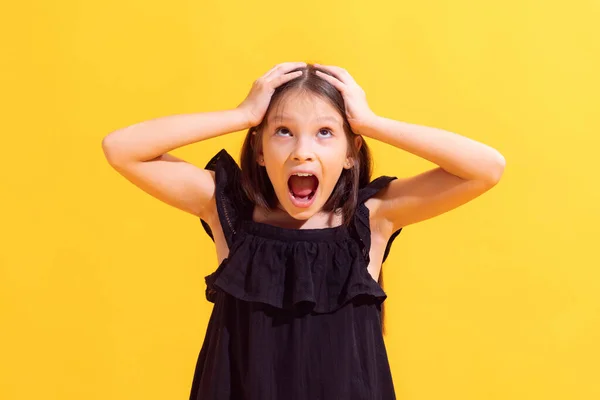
[302, 174]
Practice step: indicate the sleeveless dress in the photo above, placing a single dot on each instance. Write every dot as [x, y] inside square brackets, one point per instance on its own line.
[296, 314]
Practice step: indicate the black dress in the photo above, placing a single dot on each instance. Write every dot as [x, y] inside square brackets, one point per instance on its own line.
[296, 314]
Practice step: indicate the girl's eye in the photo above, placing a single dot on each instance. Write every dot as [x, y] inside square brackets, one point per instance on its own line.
[284, 131]
[278, 130]
[328, 131]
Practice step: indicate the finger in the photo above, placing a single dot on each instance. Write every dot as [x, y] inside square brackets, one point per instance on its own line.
[339, 85]
[280, 80]
[269, 72]
[284, 68]
[338, 72]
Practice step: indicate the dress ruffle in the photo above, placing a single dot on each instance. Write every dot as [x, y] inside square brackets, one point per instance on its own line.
[318, 275]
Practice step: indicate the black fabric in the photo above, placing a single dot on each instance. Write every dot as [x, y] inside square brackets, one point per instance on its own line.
[296, 313]
[231, 201]
[361, 220]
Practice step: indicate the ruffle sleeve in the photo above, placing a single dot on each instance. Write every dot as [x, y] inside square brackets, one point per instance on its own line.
[232, 204]
[361, 218]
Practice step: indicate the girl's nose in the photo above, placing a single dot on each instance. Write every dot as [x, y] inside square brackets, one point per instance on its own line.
[302, 152]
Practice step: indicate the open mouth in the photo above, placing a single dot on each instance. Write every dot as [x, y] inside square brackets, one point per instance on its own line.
[302, 188]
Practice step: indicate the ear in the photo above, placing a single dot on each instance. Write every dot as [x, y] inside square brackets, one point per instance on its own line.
[358, 140]
[349, 160]
[260, 159]
[349, 163]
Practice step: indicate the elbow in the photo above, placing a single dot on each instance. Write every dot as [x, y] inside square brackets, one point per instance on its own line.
[497, 170]
[109, 148]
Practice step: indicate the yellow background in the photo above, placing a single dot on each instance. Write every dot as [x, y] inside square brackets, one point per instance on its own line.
[102, 286]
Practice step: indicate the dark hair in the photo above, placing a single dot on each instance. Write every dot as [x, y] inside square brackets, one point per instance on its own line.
[255, 181]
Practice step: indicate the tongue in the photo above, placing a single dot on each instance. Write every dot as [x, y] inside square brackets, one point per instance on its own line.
[302, 186]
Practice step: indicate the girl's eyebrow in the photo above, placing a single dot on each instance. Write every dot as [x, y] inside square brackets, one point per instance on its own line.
[323, 118]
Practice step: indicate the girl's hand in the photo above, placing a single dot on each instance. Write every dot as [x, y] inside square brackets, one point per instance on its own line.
[357, 110]
[256, 103]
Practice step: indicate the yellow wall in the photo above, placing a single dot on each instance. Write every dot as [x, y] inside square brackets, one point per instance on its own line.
[101, 286]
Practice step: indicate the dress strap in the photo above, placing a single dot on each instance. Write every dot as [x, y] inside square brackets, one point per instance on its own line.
[232, 204]
[361, 218]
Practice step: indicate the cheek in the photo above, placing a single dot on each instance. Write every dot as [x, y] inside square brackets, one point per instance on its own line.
[274, 162]
[270, 147]
[333, 170]
[338, 152]
[274, 157]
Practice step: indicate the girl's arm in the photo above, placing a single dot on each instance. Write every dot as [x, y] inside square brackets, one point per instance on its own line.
[147, 140]
[467, 169]
[139, 153]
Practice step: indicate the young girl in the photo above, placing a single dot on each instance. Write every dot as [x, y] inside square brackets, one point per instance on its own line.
[300, 229]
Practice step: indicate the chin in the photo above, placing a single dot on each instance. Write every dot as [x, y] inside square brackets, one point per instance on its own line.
[302, 215]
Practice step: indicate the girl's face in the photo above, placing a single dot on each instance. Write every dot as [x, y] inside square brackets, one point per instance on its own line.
[306, 137]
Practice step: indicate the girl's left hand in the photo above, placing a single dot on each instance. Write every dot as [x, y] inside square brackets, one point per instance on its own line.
[357, 110]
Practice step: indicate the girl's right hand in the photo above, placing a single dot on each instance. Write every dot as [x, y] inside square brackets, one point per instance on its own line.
[256, 103]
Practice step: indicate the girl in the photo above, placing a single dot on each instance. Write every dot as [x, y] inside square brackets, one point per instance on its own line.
[300, 229]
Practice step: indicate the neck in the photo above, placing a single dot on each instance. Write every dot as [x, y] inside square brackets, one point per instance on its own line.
[327, 218]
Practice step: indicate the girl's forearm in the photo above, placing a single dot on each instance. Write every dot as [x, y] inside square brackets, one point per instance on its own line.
[456, 154]
[146, 140]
